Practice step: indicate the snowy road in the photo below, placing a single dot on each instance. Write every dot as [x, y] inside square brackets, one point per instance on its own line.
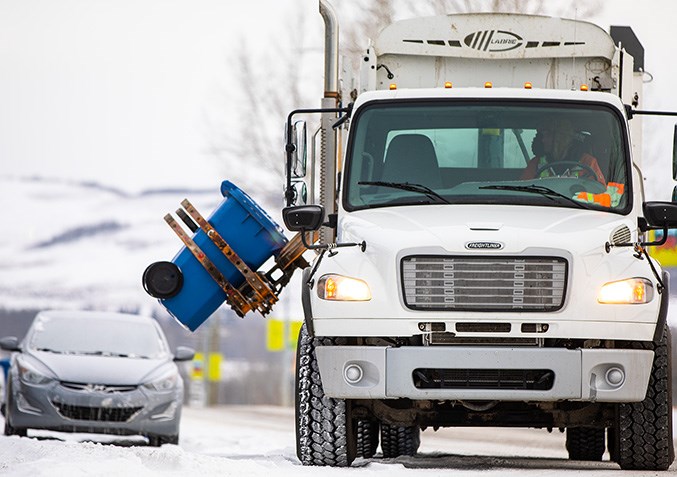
[259, 441]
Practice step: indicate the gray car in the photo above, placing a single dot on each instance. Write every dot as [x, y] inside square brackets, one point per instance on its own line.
[95, 372]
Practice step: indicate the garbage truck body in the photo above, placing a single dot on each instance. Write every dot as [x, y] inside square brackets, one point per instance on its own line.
[482, 258]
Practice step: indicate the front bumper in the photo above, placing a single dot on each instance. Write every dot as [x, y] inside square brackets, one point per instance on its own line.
[58, 408]
[578, 375]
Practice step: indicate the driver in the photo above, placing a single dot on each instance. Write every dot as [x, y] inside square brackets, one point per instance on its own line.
[559, 152]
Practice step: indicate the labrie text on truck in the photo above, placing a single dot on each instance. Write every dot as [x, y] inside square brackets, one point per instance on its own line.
[483, 233]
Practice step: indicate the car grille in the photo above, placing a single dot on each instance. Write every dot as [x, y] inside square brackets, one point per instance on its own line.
[468, 283]
[515, 379]
[100, 388]
[101, 414]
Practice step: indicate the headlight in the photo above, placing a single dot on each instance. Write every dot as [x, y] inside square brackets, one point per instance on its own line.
[165, 383]
[340, 288]
[632, 290]
[30, 375]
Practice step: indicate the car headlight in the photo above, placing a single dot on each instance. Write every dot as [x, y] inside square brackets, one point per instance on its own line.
[30, 375]
[340, 288]
[165, 383]
[630, 291]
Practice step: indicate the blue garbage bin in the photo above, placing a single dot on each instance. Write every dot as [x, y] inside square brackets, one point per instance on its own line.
[183, 285]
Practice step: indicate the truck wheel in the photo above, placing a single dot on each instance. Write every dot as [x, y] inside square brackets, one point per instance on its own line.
[399, 440]
[324, 430]
[644, 429]
[367, 438]
[585, 443]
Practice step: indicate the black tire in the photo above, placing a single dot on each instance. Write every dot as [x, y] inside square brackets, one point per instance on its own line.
[157, 441]
[585, 443]
[644, 429]
[324, 431]
[9, 429]
[399, 440]
[367, 438]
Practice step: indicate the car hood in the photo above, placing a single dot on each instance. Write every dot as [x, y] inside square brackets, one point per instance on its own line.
[99, 369]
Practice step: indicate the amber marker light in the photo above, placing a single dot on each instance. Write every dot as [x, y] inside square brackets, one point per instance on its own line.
[393, 86]
[528, 85]
[488, 84]
[447, 84]
[584, 87]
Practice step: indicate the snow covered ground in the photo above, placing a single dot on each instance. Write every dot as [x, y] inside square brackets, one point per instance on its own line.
[259, 441]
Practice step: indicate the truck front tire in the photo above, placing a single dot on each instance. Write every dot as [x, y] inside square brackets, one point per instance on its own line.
[324, 428]
[644, 429]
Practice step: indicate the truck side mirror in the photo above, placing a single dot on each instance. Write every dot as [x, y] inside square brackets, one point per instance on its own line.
[674, 153]
[299, 156]
[300, 192]
[661, 214]
[301, 218]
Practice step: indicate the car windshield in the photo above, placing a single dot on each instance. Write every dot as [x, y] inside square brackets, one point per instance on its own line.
[96, 336]
[522, 153]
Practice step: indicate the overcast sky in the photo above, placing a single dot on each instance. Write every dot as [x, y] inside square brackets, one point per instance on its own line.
[123, 91]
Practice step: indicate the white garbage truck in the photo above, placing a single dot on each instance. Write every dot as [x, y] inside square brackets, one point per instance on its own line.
[482, 260]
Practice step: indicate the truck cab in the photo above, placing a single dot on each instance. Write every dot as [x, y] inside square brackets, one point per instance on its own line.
[482, 258]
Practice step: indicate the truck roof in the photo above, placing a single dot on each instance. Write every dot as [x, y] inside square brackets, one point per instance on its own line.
[508, 49]
[491, 93]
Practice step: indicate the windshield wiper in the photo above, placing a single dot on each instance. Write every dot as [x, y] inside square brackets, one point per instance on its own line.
[105, 353]
[408, 186]
[49, 350]
[536, 189]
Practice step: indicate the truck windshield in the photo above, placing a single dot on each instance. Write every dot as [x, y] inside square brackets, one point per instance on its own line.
[526, 153]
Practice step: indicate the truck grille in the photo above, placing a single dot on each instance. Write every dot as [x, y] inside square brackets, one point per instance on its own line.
[101, 414]
[468, 283]
[525, 379]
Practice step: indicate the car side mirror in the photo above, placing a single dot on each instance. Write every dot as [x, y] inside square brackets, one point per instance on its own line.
[10, 343]
[183, 353]
[661, 214]
[303, 217]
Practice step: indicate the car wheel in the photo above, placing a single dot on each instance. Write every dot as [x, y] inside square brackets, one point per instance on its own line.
[325, 434]
[9, 429]
[157, 441]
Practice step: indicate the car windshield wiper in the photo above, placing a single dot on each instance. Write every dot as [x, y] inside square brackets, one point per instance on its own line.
[106, 353]
[408, 186]
[50, 350]
[535, 189]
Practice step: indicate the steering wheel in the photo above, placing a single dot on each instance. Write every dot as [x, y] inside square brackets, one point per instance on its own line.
[575, 165]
